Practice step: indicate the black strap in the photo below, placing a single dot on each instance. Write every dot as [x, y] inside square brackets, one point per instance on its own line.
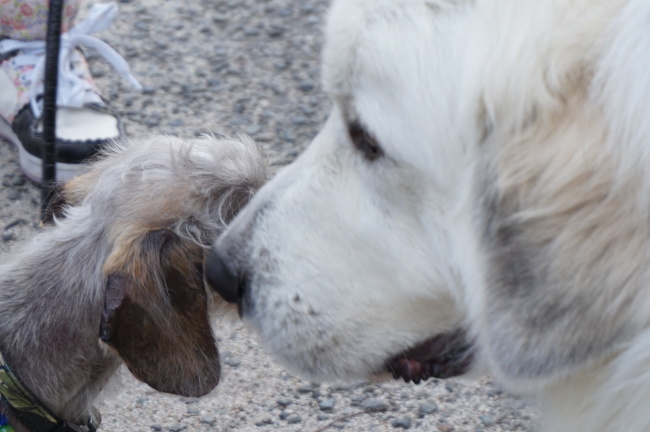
[34, 422]
[28, 409]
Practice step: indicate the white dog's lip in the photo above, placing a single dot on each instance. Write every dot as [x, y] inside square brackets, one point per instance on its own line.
[442, 356]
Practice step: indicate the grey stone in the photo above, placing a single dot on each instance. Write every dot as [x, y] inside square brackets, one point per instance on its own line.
[152, 121]
[327, 404]
[264, 422]
[294, 418]
[374, 405]
[487, 420]
[427, 408]
[209, 420]
[281, 64]
[275, 31]
[307, 86]
[285, 12]
[220, 18]
[251, 32]
[402, 423]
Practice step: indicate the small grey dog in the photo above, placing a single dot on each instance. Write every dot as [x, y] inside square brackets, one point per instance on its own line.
[117, 278]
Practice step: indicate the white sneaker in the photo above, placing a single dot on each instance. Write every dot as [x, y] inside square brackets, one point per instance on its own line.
[84, 123]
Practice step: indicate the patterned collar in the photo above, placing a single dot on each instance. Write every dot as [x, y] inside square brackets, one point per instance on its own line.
[28, 410]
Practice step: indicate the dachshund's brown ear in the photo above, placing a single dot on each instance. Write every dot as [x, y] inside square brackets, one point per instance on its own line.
[155, 315]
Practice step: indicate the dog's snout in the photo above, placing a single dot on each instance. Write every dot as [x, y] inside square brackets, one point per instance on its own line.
[220, 278]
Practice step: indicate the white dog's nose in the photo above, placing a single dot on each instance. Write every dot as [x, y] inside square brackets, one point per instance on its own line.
[220, 278]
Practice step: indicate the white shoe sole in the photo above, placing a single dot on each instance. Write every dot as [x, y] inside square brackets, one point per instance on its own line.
[31, 165]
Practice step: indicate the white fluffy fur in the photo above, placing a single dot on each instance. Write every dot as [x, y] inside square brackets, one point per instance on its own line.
[512, 198]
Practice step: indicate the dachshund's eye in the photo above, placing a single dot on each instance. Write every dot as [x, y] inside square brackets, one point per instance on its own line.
[364, 142]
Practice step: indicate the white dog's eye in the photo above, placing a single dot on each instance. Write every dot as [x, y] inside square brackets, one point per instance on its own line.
[364, 142]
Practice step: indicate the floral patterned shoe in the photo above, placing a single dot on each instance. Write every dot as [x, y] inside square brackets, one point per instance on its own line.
[84, 121]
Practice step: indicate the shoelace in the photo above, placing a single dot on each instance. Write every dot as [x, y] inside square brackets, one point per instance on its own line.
[73, 90]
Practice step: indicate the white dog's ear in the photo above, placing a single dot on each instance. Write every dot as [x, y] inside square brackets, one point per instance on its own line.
[562, 254]
[155, 314]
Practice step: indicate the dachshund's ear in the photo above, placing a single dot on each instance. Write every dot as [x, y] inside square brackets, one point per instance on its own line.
[156, 314]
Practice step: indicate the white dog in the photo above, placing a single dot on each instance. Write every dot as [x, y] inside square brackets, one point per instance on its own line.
[479, 195]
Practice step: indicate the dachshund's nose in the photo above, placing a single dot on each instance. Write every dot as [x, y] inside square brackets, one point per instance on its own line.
[220, 278]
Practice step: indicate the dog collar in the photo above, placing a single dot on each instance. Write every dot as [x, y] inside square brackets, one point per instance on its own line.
[26, 407]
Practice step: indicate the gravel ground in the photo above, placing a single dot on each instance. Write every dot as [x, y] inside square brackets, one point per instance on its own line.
[246, 66]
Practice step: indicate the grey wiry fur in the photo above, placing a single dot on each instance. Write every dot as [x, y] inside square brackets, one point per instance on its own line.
[146, 204]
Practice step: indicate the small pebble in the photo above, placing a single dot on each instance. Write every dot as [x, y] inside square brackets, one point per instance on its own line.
[293, 419]
[264, 422]
[427, 408]
[486, 419]
[284, 402]
[275, 31]
[285, 12]
[402, 423]
[307, 86]
[327, 404]
[209, 420]
[152, 121]
[374, 405]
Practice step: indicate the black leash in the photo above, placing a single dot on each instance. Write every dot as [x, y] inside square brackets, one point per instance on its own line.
[50, 81]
